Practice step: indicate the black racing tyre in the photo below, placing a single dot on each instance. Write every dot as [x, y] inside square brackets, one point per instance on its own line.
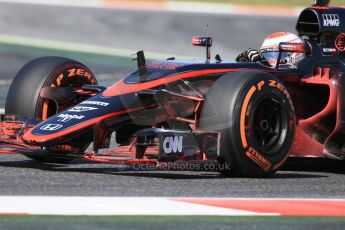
[23, 97]
[255, 116]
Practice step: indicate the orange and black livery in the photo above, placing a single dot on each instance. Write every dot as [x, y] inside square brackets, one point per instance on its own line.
[245, 119]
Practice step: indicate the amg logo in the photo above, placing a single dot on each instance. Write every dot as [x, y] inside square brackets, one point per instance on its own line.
[172, 144]
[331, 20]
[95, 103]
[68, 117]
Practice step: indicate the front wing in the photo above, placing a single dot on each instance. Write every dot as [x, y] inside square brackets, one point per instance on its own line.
[154, 148]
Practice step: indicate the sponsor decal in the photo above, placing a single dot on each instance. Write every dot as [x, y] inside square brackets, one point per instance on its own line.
[173, 144]
[81, 109]
[71, 73]
[340, 42]
[258, 159]
[329, 50]
[165, 66]
[80, 72]
[331, 20]
[68, 117]
[51, 127]
[95, 103]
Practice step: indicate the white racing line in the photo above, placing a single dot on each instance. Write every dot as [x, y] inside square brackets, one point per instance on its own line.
[102, 206]
[169, 206]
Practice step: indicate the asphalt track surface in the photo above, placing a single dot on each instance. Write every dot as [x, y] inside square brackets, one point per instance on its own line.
[20, 176]
[160, 32]
[168, 223]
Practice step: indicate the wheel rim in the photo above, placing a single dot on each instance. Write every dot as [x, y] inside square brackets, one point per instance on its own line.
[269, 125]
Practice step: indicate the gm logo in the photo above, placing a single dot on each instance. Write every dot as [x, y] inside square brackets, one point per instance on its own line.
[51, 127]
[172, 144]
[331, 20]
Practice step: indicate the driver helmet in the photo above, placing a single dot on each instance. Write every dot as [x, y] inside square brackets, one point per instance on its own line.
[270, 50]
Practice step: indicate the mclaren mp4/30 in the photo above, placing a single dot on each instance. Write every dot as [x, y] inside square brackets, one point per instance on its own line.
[247, 115]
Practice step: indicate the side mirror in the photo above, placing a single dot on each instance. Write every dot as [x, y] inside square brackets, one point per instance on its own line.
[292, 47]
[204, 42]
[289, 47]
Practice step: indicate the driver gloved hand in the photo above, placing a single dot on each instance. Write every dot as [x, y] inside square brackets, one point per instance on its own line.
[250, 55]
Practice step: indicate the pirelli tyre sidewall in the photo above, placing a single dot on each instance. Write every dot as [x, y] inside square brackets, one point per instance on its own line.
[255, 116]
[23, 97]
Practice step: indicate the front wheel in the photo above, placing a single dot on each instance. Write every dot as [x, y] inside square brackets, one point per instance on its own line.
[254, 114]
[23, 98]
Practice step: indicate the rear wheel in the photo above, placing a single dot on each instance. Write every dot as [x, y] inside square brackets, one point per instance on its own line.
[23, 97]
[255, 116]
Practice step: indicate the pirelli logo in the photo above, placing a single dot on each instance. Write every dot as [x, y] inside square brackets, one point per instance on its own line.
[331, 20]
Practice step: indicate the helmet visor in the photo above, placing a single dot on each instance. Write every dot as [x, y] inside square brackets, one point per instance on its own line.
[271, 57]
[287, 59]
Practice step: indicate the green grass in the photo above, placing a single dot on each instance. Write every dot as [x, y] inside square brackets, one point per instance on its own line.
[289, 3]
[84, 57]
[286, 3]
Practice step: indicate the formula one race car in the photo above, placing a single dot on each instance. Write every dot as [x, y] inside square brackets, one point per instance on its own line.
[240, 118]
